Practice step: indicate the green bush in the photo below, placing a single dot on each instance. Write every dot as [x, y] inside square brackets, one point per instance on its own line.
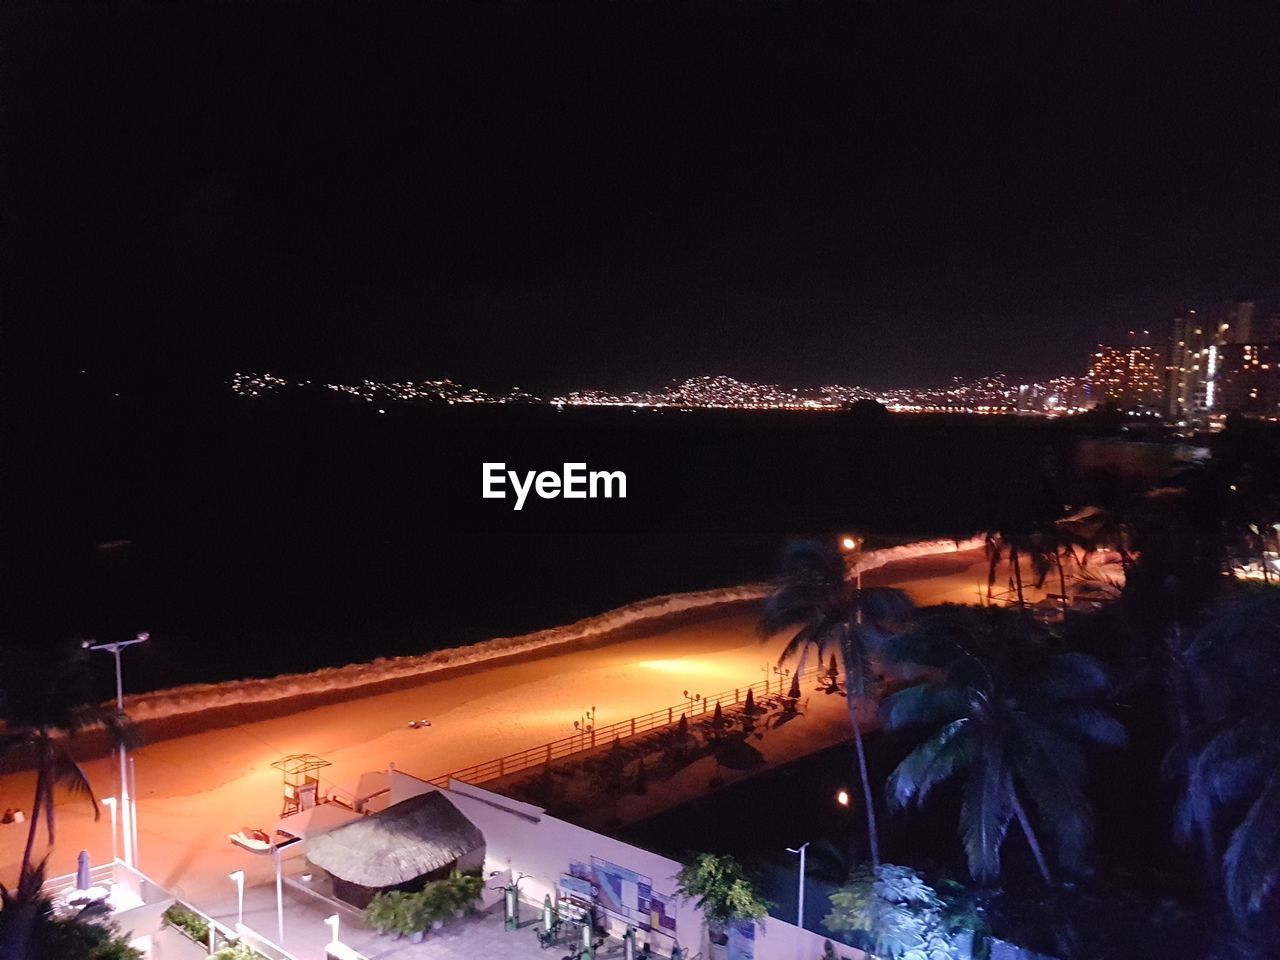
[892, 911]
[465, 889]
[237, 951]
[393, 911]
[189, 921]
[71, 938]
[723, 890]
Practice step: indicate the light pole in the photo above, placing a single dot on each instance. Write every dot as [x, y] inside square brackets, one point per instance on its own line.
[586, 726]
[128, 823]
[276, 850]
[852, 545]
[800, 905]
[110, 804]
[133, 806]
[237, 877]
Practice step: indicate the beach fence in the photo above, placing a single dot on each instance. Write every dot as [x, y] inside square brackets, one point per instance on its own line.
[582, 742]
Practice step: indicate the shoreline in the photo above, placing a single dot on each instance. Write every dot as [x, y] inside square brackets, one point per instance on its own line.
[178, 711]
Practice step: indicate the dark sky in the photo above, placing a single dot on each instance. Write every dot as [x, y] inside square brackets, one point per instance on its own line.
[617, 193]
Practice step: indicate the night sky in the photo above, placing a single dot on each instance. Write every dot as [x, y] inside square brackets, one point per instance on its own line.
[614, 194]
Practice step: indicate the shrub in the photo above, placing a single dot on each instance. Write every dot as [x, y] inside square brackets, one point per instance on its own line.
[74, 938]
[723, 890]
[237, 951]
[393, 911]
[895, 913]
[190, 922]
[437, 901]
[466, 889]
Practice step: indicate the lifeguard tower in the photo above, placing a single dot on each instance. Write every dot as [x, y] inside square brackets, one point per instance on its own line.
[301, 784]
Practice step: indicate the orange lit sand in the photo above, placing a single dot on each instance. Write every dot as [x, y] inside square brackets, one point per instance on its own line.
[196, 789]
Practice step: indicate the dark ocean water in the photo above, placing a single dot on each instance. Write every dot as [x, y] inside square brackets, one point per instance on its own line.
[255, 537]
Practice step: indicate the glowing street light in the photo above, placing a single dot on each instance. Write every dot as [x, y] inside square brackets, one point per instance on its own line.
[277, 855]
[237, 877]
[842, 797]
[128, 812]
[800, 897]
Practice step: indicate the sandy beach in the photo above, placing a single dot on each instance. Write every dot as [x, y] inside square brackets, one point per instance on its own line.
[196, 788]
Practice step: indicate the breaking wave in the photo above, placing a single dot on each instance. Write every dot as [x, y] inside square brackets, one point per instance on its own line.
[198, 697]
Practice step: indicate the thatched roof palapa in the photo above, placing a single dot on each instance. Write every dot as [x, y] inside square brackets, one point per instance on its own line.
[400, 844]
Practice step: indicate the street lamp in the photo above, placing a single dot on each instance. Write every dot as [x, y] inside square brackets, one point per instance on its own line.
[800, 897]
[237, 877]
[842, 797]
[110, 804]
[692, 698]
[128, 813]
[586, 724]
[276, 852]
[853, 545]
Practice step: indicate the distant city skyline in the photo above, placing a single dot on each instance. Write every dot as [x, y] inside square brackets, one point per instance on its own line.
[992, 394]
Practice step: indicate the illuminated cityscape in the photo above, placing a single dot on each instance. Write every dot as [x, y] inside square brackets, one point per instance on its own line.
[1212, 363]
[986, 395]
[1130, 376]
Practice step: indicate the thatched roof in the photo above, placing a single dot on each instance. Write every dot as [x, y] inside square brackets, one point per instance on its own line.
[403, 842]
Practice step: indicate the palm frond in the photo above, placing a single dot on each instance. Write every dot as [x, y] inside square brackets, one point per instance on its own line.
[1085, 723]
[1051, 773]
[1251, 864]
[1074, 676]
[929, 764]
[985, 813]
[925, 703]
[1228, 767]
[889, 609]
[66, 773]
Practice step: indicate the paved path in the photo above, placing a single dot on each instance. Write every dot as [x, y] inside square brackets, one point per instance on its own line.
[470, 938]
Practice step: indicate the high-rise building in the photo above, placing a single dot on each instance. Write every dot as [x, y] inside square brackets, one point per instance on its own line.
[1265, 329]
[1175, 369]
[1246, 379]
[1132, 375]
[1186, 365]
[1233, 321]
[1207, 372]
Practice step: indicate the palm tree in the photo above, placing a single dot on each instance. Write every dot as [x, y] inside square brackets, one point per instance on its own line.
[40, 731]
[815, 593]
[1231, 757]
[30, 928]
[1012, 718]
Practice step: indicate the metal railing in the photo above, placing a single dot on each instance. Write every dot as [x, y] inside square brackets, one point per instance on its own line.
[586, 741]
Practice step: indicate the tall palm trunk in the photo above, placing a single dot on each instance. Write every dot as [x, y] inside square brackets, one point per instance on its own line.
[37, 805]
[873, 831]
[1062, 584]
[1175, 683]
[1016, 563]
[1029, 833]
[855, 690]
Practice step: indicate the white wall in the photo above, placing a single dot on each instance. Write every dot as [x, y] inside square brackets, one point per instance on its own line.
[524, 839]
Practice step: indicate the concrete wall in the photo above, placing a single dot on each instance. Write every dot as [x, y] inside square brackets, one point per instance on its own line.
[522, 838]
